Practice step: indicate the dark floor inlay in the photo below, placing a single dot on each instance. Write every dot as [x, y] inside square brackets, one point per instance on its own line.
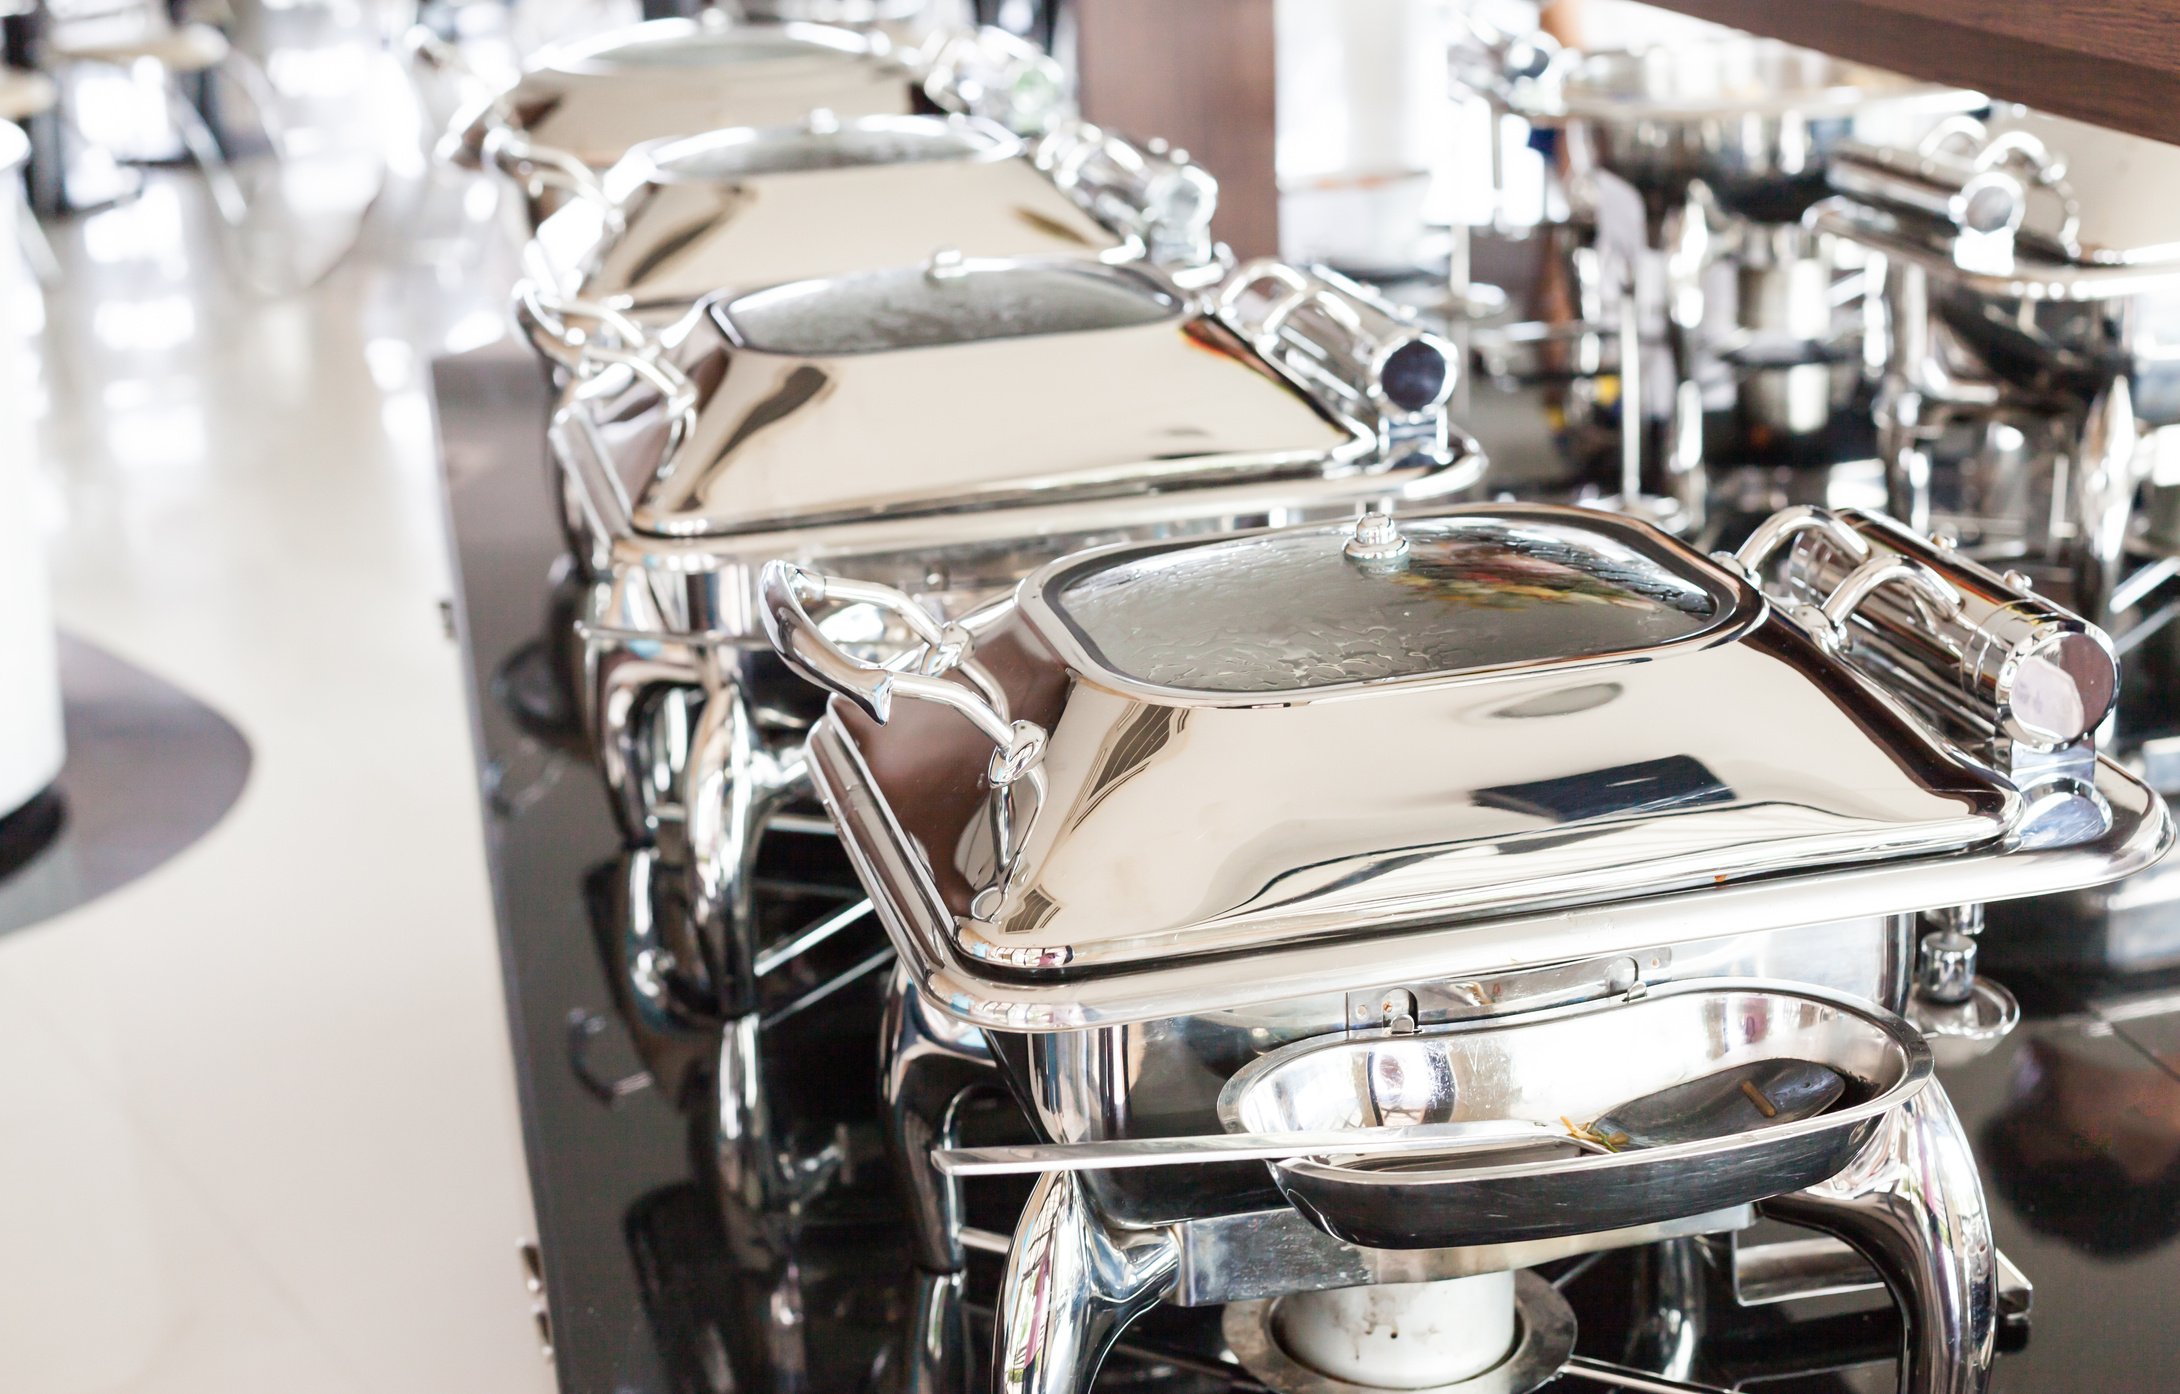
[150, 770]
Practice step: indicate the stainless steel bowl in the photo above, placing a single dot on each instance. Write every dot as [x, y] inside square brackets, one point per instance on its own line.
[1572, 1065]
[1754, 117]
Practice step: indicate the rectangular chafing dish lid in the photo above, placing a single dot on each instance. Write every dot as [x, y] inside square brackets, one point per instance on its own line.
[2103, 209]
[989, 384]
[937, 306]
[1261, 742]
[598, 98]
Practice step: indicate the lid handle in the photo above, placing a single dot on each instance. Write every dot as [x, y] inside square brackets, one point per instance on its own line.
[1979, 654]
[538, 168]
[786, 590]
[1367, 358]
[991, 73]
[1157, 194]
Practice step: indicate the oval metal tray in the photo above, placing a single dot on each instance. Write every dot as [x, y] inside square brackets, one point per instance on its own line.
[1573, 1065]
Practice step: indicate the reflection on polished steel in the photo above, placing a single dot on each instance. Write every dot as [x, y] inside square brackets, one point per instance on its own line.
[1576, 635]
[822, 431]
[1913, 1205]
[1581, 1063]
[1601, 903]
[1072, 1285]
[2026, 414]
[746, 207]
[932, 1062]
[1688, 167]
[1996, 659]
[1753, 118]
[579, 107]
[2028, 278]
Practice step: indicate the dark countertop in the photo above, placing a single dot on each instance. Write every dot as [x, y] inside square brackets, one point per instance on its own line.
[2076, 1117]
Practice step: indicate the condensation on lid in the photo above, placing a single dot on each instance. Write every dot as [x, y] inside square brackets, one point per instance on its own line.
[1292, 611]
[785, 150]
[912, 307]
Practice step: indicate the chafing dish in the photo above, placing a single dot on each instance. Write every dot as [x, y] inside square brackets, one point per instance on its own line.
[823, 421]
[1753, 119]
[2031, 281]
[578, 108]
[1690, 166]
[1411, 815]
[755, 206]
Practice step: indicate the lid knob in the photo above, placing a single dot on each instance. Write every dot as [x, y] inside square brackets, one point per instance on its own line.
[1376, 539]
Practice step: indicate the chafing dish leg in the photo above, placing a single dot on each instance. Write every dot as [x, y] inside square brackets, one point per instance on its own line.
[621, 693]
[931, 1356]
[731, 788]
[1670, 1297]
[1913, 1205]
[1072, 1286]
[2105, 481]
[1901, 434]
[754, 1181]
[931, 1064]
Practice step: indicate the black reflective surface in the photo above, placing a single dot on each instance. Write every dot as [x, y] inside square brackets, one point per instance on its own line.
[657, 1287]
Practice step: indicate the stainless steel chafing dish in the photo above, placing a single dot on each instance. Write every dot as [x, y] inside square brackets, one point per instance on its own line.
[2031, 287]
[578, 108]
[755, 206]
[1723, 144]
[1484, 822]
[822, 421]
[1754, 119]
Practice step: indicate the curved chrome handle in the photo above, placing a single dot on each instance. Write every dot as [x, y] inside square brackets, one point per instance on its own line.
[538, 167]
[1879, 572]
[574, 323]
[1783, 527]
[1352, 342]
[2007, 153]
[785, 591]
[2049, 172]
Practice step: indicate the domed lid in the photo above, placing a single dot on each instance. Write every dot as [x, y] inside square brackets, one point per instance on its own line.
[821, 144]
[946, 302]
[1297, 611]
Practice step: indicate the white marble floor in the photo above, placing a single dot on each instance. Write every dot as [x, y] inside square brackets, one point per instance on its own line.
[258, 1130]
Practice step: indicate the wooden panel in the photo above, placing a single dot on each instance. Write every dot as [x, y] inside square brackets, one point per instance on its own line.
[1198, 73]
[2113, 62]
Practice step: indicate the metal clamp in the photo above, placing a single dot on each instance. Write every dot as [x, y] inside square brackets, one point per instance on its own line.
[1333, 333]
[786, 589]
